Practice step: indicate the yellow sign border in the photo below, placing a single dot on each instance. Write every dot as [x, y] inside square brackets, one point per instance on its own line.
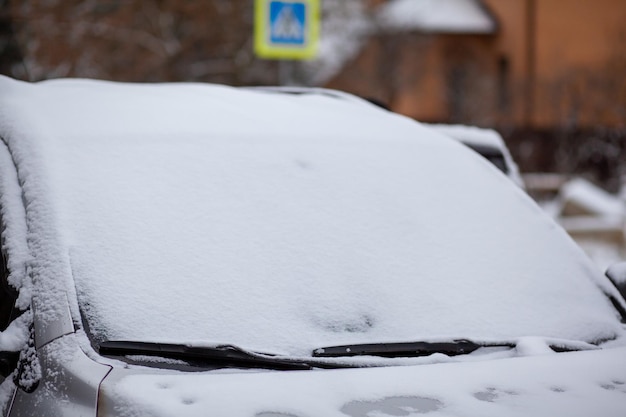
[265, 49]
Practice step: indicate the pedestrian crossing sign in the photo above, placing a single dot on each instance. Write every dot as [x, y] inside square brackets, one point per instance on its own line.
[286, 29]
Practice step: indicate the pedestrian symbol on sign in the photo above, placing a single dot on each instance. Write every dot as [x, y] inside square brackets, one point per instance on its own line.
[286, 29]
[287, 22]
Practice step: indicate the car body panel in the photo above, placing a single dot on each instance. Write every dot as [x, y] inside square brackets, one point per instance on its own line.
[69, 384]
[555, 384]
[53, 328]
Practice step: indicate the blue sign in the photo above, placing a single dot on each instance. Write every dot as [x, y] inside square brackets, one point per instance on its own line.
[287, 23]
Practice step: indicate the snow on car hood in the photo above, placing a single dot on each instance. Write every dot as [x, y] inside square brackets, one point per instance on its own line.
[565, 384]
[281, 223]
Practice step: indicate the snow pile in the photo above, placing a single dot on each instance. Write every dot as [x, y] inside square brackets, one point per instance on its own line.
[447, 16]
[580, 197]
[281, 223]
[588, 212]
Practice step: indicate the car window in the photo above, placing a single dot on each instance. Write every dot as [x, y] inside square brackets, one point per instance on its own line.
[493, 155]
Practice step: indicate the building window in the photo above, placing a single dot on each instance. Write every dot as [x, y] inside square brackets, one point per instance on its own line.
[504, 96]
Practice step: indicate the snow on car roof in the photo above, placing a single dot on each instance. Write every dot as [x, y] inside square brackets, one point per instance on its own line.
[281, 222]
[472, 135]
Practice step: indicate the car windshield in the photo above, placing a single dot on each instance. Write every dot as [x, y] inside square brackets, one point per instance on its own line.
[286, 223]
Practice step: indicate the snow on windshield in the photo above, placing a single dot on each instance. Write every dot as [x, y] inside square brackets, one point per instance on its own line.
[282, 223]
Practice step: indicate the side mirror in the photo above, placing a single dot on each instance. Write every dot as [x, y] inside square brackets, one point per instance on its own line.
[617, 274]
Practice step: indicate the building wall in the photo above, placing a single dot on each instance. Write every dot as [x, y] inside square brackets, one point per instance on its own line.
[512, 49]
[429, 77]
[552, 64]
[567, 60]
[581, 62]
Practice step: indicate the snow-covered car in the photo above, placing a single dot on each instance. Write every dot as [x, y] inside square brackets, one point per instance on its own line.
[488, 143]
[203, 250]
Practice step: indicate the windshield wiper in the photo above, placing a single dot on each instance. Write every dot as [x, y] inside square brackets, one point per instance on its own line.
[409, 349]
[220, 356]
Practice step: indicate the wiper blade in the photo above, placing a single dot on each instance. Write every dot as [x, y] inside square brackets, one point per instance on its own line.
[221, 355]
[408, 349]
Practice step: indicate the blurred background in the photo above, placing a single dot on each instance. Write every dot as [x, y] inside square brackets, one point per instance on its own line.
[548, 75]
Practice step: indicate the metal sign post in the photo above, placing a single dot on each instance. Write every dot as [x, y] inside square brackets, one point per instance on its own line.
[287, 29]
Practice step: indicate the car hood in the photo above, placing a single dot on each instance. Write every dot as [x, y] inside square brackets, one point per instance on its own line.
[557, 384]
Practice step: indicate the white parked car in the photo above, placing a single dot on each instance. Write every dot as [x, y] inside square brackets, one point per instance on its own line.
[486, 142]
[202, 250]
